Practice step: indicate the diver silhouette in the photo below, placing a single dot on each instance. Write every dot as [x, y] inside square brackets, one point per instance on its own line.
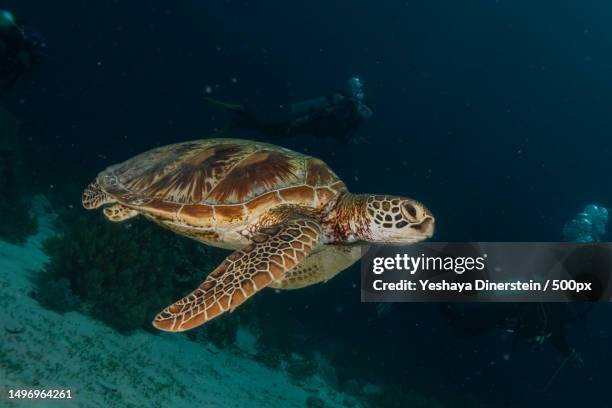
[20, 53]
[337, 116]
[537, 323]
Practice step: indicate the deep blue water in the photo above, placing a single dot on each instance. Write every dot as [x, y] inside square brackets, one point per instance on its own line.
[495, 114]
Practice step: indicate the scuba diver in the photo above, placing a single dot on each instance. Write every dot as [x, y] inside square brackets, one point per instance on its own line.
[337, 116]
[19, 53]
[536, 323]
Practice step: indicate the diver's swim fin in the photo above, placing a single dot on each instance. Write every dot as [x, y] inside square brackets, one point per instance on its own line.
[223, 105]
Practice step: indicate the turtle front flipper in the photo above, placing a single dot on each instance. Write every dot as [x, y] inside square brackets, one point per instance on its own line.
[319, 267]
[273, 252]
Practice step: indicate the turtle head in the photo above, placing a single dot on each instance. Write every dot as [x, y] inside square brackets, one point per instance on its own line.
[397, 220]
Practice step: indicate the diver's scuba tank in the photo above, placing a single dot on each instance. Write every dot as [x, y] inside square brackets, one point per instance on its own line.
[357, 94]
[302, 108]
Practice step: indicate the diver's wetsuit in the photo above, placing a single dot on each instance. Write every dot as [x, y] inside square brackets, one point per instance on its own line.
[18, 56]
[336, 118]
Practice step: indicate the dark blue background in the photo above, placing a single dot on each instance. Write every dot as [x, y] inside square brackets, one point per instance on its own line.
[495, 114]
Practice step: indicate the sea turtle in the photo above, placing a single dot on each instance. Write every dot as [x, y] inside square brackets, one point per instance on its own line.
[289, 219]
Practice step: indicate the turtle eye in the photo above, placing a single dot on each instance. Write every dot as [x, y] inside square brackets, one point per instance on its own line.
[410, 210]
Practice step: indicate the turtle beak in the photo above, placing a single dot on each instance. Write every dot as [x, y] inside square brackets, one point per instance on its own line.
[425, 227]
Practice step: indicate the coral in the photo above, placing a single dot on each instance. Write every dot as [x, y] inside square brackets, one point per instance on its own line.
[58, 296]
[122, 273]
[16, 222]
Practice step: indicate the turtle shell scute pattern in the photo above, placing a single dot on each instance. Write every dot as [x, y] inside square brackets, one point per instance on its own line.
[215, 172]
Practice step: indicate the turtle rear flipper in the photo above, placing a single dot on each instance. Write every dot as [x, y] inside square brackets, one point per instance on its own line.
[119, 212]
[94, 196]
[274, 252]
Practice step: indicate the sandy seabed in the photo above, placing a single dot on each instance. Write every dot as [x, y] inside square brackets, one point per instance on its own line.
[41, 349]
